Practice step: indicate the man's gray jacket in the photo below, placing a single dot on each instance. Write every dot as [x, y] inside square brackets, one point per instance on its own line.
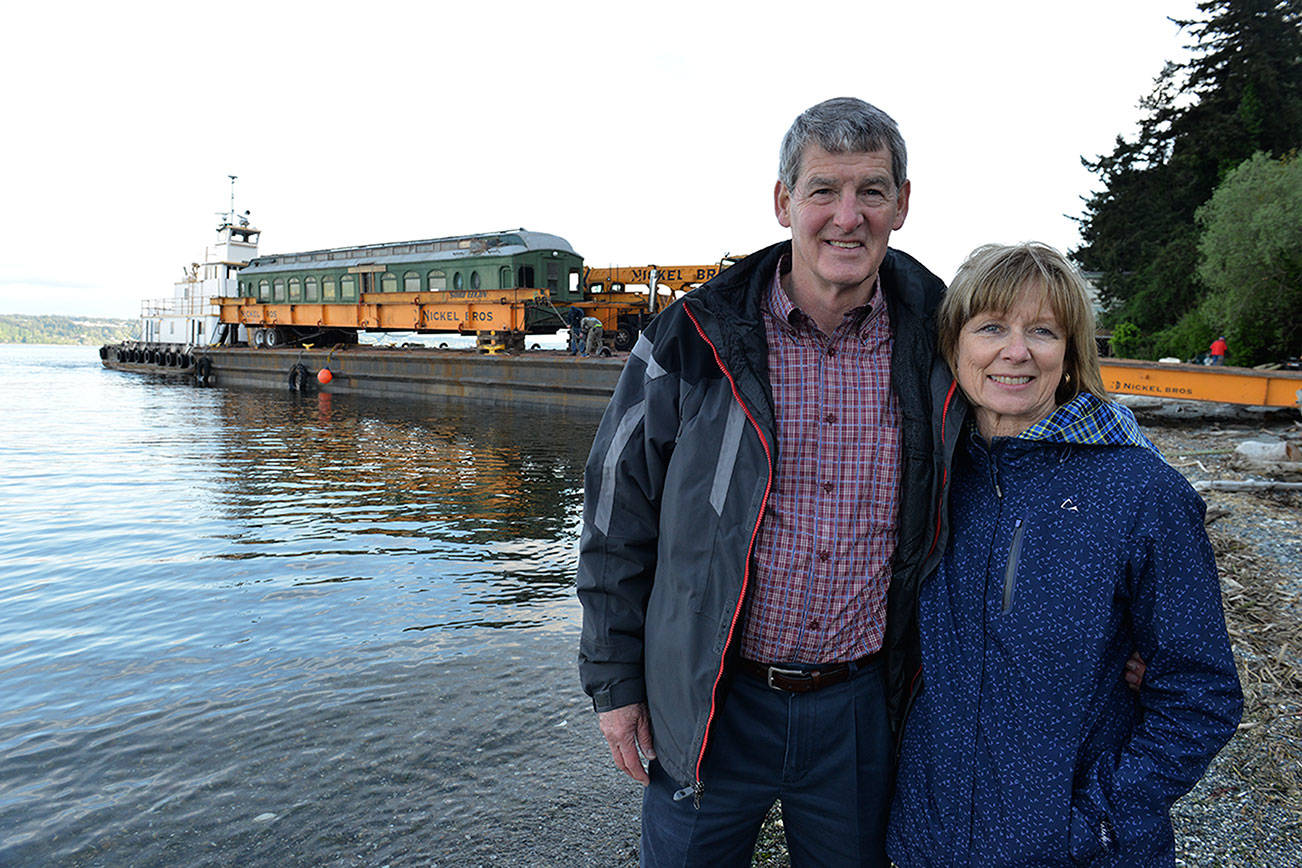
[678, 478]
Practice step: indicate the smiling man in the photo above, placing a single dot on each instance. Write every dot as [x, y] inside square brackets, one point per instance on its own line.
[757, 516]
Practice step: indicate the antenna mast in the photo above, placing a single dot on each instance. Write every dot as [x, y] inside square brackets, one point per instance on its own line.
[231, 218]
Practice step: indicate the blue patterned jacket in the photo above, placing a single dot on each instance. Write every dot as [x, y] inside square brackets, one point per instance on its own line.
[1071, 545]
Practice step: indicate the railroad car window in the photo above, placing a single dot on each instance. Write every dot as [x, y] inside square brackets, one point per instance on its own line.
[389, 283]
[310, 290]
[264, 291]
[574, 281]
[504, 277]
[438, 280]
[295, 289]
[526, 277]
[411, 282]
[474, 280]
[328, 288]
[457, 282]
[553, 276]
[348, 287]
[278, 289]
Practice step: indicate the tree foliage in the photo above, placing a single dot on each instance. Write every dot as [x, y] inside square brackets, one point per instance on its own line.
[1127, 341]
[1239, 92]
[21, 329]
[1251, 250]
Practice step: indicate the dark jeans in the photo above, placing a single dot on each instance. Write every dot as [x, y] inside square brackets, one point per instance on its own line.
[826, 755]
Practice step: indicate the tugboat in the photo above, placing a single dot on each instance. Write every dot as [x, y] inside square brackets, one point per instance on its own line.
[172, 329]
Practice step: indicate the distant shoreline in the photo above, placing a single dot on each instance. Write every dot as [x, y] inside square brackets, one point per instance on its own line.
[64, 330]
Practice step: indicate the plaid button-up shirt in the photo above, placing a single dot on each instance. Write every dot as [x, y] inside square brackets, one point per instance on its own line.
[823, 555]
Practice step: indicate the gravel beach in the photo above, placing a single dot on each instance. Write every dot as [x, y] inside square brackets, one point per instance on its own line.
[1247, 810]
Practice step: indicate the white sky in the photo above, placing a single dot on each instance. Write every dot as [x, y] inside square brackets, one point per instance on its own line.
[640, 132]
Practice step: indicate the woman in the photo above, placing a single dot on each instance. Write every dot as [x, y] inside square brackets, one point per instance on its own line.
[1072, 543]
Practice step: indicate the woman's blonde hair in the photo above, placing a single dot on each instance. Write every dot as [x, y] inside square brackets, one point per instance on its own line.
[991, 279]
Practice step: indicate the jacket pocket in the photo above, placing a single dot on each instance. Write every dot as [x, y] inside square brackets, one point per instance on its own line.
[1010, 570]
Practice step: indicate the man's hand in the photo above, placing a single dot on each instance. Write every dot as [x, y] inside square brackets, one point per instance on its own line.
[1135, 668]
[627, 729]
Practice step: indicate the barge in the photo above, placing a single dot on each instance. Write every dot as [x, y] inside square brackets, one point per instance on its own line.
[537, 378]
[293, 320]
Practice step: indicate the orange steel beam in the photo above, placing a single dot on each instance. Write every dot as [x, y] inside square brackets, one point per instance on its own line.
[1227, 385]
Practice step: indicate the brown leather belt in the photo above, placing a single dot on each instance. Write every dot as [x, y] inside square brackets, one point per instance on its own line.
[804, 680]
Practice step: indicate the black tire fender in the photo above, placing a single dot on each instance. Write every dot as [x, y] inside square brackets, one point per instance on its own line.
[299, 377]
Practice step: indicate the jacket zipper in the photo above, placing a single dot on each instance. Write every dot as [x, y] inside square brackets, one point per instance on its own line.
[994, 472]
[698, 787]
[1010, 571]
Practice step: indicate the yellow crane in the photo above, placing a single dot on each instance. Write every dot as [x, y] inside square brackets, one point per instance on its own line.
[624, 313]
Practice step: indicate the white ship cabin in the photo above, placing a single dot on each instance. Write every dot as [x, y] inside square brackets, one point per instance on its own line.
[189, 317]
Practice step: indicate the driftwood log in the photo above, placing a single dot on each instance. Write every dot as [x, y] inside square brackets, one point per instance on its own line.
[1245, 485]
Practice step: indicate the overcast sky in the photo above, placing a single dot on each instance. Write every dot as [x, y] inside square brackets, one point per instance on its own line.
[642, 133]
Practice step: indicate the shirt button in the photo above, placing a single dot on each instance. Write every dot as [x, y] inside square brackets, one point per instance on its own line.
[813, 625]
[830, 418]
[824, 556]
[828, 486]
[831, 351]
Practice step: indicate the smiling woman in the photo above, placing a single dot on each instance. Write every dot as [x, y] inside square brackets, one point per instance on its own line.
[1072, 544]
[1010, 364]
[1018, 332]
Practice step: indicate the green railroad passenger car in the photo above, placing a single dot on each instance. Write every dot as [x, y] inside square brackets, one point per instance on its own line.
[475, 265]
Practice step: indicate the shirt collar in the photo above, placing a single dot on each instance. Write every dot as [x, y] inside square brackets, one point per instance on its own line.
[792, 319]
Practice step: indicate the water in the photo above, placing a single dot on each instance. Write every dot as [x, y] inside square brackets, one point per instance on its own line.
[254, 627]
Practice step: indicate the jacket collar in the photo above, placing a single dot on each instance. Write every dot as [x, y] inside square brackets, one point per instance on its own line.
[1088, 421]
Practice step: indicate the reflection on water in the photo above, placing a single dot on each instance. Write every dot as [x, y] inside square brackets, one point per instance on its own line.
[481, 507]
[253, 626]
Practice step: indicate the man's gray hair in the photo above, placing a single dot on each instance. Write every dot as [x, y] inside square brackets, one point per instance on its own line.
[843, 125]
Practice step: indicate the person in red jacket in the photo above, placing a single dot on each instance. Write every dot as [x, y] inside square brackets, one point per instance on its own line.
[1217, 351]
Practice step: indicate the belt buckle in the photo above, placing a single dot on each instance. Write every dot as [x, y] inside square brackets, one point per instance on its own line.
[790, 673]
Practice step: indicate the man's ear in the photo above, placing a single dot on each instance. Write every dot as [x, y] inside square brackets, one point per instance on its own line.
[782, 203]
[902, 204]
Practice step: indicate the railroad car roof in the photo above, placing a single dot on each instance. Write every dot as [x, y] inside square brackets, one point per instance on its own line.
[506, 243]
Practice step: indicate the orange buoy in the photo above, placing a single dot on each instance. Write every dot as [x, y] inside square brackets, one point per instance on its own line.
[324, 376]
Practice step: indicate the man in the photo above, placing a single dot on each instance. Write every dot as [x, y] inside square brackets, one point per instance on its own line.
[1216, 352]
[762, 476]
[594, 331]
[576, 330]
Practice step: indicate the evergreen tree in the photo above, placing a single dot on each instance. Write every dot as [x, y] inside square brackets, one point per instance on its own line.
[1239, 92]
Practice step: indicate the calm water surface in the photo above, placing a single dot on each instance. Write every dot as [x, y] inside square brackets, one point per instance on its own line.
[253, 627]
